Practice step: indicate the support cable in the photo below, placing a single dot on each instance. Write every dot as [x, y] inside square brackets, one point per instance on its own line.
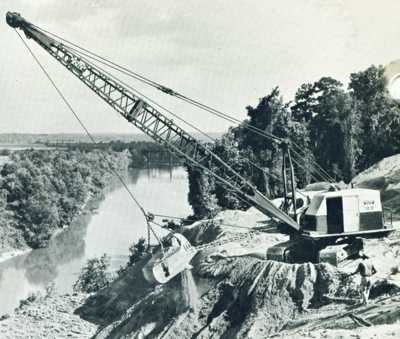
[197, 129]
[299, 152]
[217, 223]
[86, 130]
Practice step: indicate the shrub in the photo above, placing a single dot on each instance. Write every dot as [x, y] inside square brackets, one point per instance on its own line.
[137, 252]
[394, 270]
[94, 275]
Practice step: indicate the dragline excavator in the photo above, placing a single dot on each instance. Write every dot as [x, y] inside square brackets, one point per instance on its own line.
[339, 217]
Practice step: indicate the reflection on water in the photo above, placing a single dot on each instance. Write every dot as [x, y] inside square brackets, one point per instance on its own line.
[117, 223]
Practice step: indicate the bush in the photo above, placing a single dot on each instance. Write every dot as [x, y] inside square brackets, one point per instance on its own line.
[394, 270]
[137, 251]
[94, 275]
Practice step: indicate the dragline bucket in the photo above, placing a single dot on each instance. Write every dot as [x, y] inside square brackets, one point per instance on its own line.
[162, 267]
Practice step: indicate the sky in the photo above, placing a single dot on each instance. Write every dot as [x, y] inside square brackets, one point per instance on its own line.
[224, 53]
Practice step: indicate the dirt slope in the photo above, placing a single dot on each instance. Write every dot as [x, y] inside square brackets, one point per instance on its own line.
[230, 305]
[385, 176]
[239, 296]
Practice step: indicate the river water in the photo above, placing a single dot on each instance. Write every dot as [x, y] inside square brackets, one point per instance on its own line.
[117, 223]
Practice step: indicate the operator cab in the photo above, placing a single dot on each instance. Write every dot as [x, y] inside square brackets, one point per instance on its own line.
[349, 211]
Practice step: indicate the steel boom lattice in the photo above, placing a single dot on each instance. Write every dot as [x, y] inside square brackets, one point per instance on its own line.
[148, 119]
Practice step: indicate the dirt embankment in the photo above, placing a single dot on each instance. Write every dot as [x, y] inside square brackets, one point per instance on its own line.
[384, 176]
[239, 296]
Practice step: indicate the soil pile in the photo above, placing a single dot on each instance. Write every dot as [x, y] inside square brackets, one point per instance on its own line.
[384, 176]
[240, 296]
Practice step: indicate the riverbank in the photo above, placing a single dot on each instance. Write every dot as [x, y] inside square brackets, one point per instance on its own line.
[43, 191]
[90, 204]
[30, 260]
[113, 224]
[110, 225]
[7, 255]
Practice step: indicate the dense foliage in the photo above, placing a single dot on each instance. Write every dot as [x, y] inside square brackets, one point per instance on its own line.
[344, 130]
[94, 275]
[41, 191]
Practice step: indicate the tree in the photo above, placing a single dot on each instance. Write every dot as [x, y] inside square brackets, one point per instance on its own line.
[271, 116]
[46, 189]
[227, 149]
[378, 116]
[201, 194]
[326, 110]
[301, 151]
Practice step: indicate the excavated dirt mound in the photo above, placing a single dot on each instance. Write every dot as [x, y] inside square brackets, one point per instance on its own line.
[235, 294]
[384, 176]
[239, 298]
[110, 303]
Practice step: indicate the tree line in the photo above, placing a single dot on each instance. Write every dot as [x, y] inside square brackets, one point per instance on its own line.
[344, 129]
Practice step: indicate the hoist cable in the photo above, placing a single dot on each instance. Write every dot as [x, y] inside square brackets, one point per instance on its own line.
[126, 71]
[156, 236]
[168, 111]
[300, 153]
[272, 175]
[213, 220]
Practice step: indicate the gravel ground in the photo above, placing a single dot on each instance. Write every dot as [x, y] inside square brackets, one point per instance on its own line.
[48, 317]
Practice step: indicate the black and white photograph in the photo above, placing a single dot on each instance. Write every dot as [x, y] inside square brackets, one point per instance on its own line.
[207, 169]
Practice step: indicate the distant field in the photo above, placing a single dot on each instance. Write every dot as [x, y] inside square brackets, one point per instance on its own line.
[27, 139]
[7, 139]
[18, 147]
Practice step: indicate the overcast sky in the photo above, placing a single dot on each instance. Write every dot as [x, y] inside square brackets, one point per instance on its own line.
[225, 53]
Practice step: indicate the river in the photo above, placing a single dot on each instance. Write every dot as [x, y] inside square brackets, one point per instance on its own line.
[115, 225]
